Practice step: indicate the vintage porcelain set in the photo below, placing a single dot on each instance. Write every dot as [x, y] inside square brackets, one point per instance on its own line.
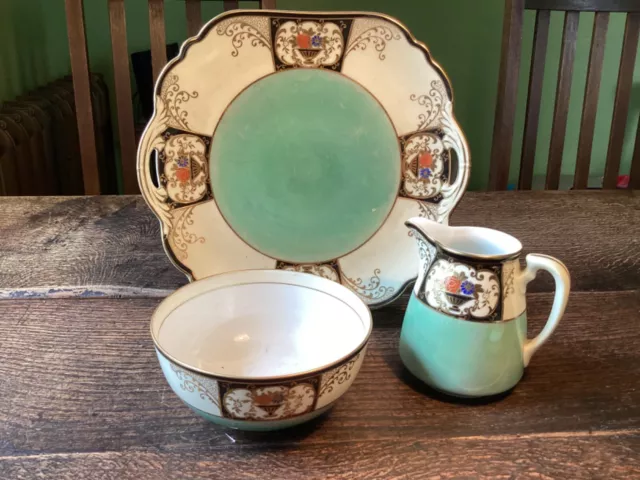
[285, 154]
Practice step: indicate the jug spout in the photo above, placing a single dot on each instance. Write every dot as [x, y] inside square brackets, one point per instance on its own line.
[432, 232]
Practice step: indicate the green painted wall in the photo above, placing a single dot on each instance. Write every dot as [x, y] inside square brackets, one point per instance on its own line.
[463, 36]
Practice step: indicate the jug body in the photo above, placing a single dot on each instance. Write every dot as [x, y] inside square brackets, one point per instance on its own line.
[460, 357]
[465, 328]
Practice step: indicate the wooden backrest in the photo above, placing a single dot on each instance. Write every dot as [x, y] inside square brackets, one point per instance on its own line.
[82, 79]
[507, 92]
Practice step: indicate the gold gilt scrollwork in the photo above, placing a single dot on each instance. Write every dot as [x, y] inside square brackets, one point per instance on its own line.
[240, 32]
[191, 383]
[181, 237]
[337, 376]
[174, 98]
[373, 289]
[432, 102]
[376, 37]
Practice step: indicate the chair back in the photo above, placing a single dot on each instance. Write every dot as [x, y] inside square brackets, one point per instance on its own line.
[507, 92]
[90, 151]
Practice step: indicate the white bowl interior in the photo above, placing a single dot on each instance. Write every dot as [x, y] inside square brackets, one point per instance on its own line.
[263, 329]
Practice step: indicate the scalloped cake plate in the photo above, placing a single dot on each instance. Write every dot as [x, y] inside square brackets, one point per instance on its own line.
[302, 141]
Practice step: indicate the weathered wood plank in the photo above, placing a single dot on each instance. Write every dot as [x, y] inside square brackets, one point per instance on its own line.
[268, 4]
[621, 103]
[634, 174]
[87, 368]
[115, 241]
[108, 241]
[590, 103]
[122, 80]
[524, 457]
[194, 17]
[507, 95]
[82, 91]
[158, 37]
[563, 95]
[230, 5]
[585, 5]
[534, 99]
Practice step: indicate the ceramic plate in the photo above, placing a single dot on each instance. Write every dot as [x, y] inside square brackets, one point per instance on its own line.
[302, 141]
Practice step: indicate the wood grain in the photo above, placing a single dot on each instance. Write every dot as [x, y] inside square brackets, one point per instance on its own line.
[621, 102]
[590, 103]
[634, 180]
[584, 457]
[532, 116]
[268, 4]
[563, 96]
[230, 4]
[158, 37]
[507, 95]
[585, 5]
[106, 241]
[124, 102]
[194, 17]
[88, 368]
[115, 241]
[82, 92]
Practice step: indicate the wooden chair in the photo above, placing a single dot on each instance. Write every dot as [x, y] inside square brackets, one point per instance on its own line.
[507, 92]
[82, 79]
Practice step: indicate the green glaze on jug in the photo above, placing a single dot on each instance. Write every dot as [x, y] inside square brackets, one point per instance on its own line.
[301, 153]
[461, 357]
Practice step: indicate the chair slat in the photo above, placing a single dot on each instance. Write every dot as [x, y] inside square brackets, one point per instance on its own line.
[158, 37]
[230, 4]
[536, 76]
[507, 95]
[82, 94]
[634, 180]
[194, 17]
[590, 104]
[621, 103]
[122, 81]
[585, 5]
[563, 94]
[268, 4]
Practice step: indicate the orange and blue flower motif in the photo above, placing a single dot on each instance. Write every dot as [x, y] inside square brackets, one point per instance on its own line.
[467, 288]
[183, 172]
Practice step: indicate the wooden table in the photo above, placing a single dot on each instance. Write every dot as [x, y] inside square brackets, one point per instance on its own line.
[82, 396]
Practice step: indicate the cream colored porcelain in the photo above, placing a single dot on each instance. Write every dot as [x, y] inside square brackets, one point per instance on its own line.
[261, 349]
[365, 138]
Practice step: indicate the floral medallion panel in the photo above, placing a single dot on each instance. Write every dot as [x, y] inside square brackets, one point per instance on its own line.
[302, 141]
[246, 402]
[472, 291]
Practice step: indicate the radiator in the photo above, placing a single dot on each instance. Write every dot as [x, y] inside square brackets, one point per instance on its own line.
[39, 146]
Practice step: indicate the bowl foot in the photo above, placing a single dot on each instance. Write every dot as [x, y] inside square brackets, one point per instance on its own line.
[261, 426]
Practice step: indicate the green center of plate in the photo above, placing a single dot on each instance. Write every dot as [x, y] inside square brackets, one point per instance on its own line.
[305, 165]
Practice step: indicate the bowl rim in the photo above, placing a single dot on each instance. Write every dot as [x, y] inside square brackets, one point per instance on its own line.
[193, 290]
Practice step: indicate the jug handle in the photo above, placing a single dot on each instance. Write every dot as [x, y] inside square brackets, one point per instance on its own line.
[562, 280]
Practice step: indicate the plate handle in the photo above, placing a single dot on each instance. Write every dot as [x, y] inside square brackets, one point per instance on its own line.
[151, 144]
[454, 140]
